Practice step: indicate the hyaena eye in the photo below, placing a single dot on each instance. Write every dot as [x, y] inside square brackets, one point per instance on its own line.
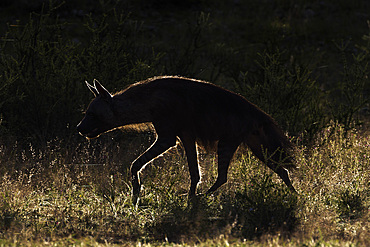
[90, 114]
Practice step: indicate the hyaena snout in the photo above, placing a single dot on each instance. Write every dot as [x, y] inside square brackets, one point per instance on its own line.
[91, 126]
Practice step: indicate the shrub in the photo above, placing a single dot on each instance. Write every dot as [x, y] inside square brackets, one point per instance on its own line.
[352, 93]
[285, 90]
[43, 70]
[350, 203]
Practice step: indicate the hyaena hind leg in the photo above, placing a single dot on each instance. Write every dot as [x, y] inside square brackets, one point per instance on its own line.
[225, 152]
[160, 146]
[283, 174]
[191, 155]
[258, 145]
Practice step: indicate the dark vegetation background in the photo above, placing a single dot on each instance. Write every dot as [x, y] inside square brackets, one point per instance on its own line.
[303, 62]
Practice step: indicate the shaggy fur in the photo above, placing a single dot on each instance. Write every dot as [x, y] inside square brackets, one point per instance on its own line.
[196, 112]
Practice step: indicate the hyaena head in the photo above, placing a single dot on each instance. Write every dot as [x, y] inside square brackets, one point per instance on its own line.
[100, 116]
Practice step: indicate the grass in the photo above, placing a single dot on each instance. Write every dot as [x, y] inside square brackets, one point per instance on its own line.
[49, 200]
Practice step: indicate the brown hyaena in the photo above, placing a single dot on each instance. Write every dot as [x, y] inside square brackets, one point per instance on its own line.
[195, 112]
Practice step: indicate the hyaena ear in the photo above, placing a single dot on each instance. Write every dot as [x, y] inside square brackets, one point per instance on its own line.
[101, 90]
[92, 89]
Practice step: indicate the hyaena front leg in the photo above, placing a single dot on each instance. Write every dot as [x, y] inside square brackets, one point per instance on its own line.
[160, 146]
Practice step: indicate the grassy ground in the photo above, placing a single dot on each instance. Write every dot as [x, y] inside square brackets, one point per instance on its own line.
[50, 202]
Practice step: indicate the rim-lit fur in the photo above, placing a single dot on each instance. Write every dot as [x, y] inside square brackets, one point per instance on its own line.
[196, 112]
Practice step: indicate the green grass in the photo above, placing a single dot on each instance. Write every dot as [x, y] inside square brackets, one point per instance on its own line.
[49, 202]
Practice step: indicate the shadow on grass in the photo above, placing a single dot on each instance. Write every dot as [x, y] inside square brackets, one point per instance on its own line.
[259, 208]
